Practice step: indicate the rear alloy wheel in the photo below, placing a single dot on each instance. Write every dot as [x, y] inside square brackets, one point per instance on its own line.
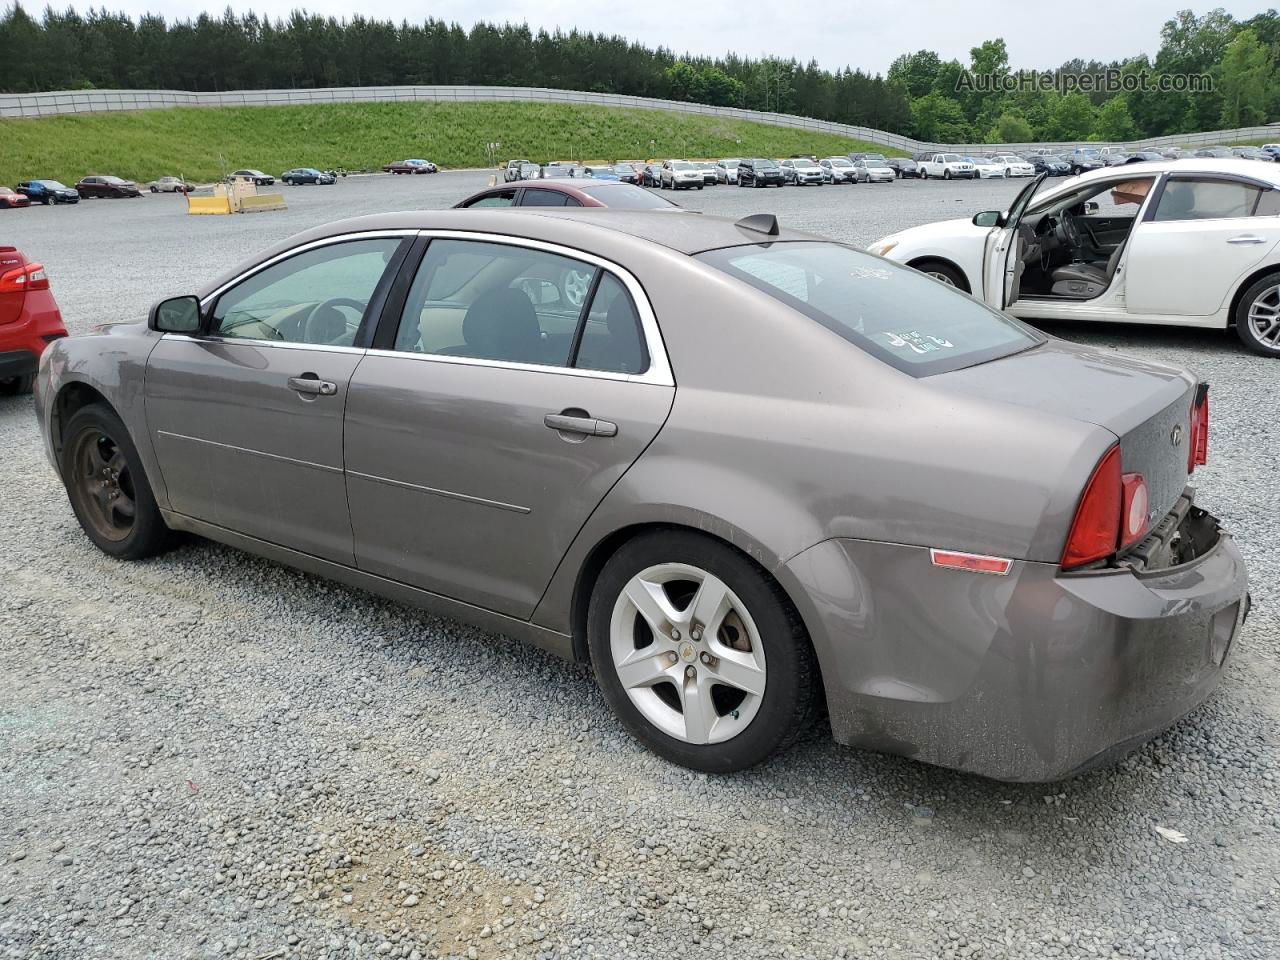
[107, 487]
[699, 654]
[1258, 317]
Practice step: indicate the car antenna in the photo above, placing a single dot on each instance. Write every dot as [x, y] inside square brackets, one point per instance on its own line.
[760, 223]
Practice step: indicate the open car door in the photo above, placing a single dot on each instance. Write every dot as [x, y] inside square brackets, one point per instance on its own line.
[1002, 258]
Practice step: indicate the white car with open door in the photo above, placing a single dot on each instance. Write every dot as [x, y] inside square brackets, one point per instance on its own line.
[1191, 243]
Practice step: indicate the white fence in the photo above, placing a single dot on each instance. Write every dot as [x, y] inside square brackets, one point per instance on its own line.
[96, 101]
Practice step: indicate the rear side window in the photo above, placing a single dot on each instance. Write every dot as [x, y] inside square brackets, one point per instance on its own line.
[544, 198]
[1206, 200]
[1268, 204]
[504, 198]
[893, 312]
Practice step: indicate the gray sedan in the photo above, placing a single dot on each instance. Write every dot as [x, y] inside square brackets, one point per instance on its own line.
[745, 473]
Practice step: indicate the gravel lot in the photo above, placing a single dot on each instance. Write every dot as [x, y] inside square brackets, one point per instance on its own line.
[206, 755]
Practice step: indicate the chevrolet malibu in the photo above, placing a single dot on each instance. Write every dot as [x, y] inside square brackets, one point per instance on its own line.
[744, 472]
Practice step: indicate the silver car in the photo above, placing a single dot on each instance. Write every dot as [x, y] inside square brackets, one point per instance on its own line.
[727, 170]
[838, 170]
[744, 472]
[800, 171]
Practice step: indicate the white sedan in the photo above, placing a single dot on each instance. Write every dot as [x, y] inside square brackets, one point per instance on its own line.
[1014, 165]
[987, 169]
[1192, 243]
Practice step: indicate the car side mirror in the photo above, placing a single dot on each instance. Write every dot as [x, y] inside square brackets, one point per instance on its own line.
[176, 315]
[988, 218]
[1090, 206]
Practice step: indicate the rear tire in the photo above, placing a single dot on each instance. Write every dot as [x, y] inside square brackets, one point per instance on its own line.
[16, 386]
[1258, 317]
[758, 642]
[108, 487]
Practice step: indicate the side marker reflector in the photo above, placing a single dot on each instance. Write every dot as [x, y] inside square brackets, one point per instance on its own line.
[972, 562]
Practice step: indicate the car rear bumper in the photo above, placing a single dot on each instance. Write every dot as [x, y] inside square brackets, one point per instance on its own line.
[23, 341]
[1034, 676]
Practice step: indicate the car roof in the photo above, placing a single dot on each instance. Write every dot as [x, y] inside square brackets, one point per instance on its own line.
[598, 230]
[1252, 169]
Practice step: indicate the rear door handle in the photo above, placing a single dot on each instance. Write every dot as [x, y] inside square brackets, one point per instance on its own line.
[312, 386]
[588, 426]
[1247, 238]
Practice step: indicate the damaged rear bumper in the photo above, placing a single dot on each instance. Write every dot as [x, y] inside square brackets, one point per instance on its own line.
[1032, 676]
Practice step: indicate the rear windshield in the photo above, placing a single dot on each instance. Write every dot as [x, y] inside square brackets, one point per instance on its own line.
[893, 312]
[623, 196]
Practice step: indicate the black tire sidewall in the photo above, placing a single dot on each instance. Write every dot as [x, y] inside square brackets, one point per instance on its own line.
[788, 692]
[149, 534]
[1243, 330]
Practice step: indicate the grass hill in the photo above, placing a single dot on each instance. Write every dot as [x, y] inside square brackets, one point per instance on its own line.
[204, 143]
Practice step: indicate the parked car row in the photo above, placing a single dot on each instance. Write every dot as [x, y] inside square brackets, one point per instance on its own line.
[411, 166]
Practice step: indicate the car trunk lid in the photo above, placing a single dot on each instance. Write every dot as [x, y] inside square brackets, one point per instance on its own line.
[1145, 405]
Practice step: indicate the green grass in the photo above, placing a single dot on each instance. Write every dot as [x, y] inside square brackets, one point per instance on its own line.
[202, 144]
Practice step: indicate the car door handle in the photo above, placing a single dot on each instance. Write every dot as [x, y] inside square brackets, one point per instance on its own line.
[312, 386]
[588, 426]
[1247, 238]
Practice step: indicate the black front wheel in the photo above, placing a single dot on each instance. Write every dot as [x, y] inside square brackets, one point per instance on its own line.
[107, 486]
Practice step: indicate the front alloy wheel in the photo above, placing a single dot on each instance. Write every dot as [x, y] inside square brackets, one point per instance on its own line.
[699, 652]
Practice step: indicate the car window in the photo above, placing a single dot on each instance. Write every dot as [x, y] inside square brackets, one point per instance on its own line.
[611, 337]
[544, 198]
[627, 197]
[495, 301]
[1206, 200]
[318, 296]
[1268, 204]
[899, 315]
[503, 199]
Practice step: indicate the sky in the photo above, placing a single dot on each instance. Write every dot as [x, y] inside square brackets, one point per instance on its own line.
[859, 33]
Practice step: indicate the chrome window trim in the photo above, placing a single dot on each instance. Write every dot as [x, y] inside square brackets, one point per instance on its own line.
[659, 371]
[206, 301]
[247, 341]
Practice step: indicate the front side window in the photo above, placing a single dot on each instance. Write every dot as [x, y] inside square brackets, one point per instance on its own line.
[894, 313]
[493, 301]
[1206, 200]
[504, 198]
[317, 297]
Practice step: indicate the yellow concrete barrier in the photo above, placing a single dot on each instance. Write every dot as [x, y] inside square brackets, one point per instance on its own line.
[262, 201]
[205, 205]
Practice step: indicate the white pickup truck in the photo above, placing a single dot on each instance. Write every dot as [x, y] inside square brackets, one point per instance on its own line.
[947, 166]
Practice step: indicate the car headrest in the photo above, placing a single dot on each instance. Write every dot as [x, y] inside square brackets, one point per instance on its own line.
[502, 325]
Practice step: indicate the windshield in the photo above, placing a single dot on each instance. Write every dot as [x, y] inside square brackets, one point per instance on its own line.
[681, 165]
[950, 157]
[623, 196]
[112, 180]
[895, 313]
[767, 164]
[840, 162]
[53, 184]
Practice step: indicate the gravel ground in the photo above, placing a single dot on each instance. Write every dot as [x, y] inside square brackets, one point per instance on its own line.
[206, 755]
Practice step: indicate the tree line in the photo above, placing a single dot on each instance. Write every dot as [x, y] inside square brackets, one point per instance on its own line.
[921, 95]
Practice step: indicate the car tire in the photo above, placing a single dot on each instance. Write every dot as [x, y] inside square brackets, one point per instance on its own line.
[760, 636]
[924, 174]
[105, 480]
[1258, 316]
[155, 190]
[943, 272]
[16, 386]
[946, 174]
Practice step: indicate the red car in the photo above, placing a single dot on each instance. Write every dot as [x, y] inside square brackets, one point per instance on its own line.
[11, 198]
[29, 320]
[570, 192]
[410, 166]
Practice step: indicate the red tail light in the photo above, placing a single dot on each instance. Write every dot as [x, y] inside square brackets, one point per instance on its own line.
[1096, 527]
[30, 277]
[1112, 513]
[1198, 445]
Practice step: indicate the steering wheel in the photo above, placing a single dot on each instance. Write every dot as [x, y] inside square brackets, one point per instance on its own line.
[326, 311]
[1070, 235]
